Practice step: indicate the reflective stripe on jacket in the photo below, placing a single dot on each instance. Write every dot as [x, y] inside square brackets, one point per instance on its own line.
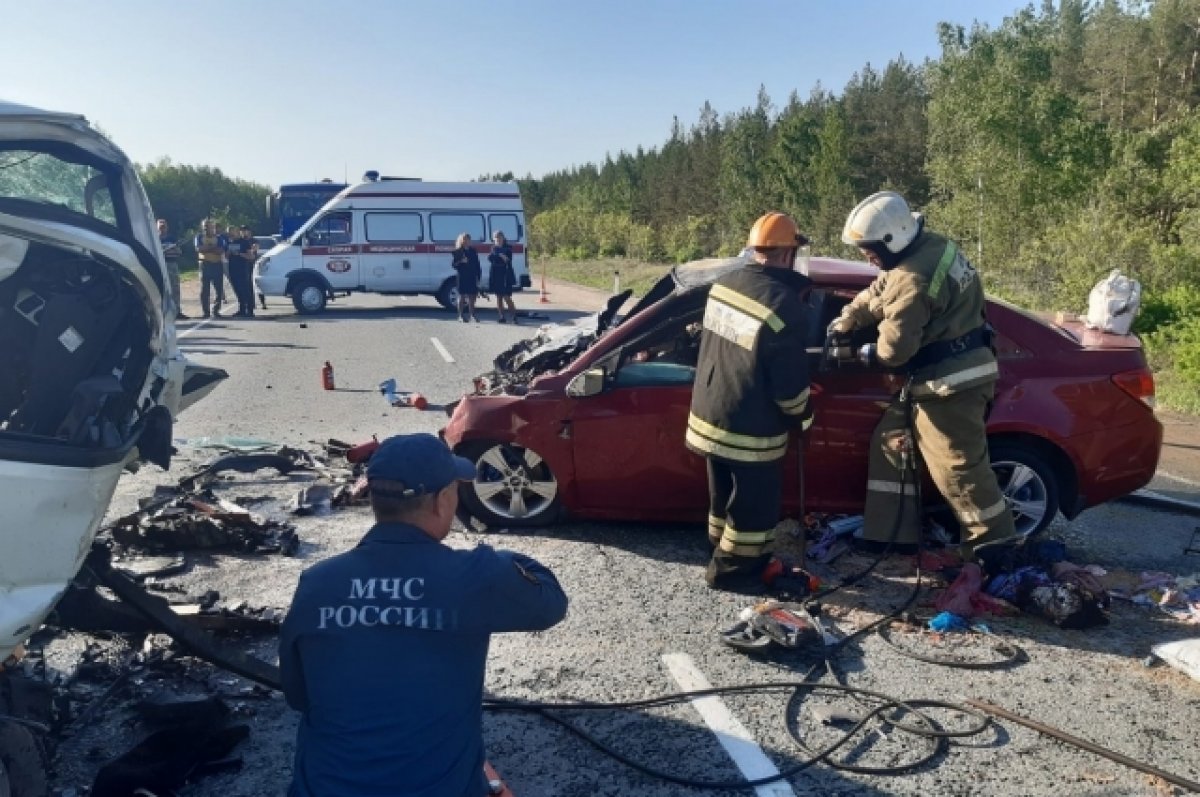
[934, 294]
[752, 374]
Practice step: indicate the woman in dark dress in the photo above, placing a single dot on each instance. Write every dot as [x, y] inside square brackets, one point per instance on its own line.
[466, 263]
[502, 280]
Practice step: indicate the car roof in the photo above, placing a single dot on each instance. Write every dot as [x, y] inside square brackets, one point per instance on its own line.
[821, 270]
[15, 110]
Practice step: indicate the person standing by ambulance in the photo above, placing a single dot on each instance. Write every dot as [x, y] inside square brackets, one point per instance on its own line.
[751, 389]
[928, 305]
[465, 260]
[210, 248]
[384, 648]
[502, 280]
[242, 251]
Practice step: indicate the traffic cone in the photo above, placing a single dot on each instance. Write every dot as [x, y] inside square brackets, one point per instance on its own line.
[545, 297]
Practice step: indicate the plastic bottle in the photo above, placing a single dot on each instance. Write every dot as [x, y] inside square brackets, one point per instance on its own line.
[327, 376]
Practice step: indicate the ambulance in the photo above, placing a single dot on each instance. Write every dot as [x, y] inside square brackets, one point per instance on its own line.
[393, 236]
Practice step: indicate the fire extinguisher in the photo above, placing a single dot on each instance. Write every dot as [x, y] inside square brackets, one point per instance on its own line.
[327, 376]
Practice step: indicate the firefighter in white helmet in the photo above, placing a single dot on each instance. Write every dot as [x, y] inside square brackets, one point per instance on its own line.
[928, 306]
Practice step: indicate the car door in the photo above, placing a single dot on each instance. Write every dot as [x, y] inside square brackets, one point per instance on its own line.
[629, 452]
[628, 440]
[330, 251]
[846, 409]
[392, 257]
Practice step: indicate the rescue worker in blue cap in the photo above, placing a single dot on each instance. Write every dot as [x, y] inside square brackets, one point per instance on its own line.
[384, 648]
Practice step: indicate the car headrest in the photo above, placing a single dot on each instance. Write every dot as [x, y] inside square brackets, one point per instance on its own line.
[12, 255]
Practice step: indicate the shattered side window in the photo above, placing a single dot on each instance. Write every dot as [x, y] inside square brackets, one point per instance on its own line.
[47, 179]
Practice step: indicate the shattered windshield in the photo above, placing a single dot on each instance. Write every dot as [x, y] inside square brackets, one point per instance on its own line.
[41, 177]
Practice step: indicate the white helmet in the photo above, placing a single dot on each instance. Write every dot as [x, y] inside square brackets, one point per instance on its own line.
[882, 218]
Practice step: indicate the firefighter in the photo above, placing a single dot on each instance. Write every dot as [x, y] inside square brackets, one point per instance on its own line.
[928, 306]
[751, 389]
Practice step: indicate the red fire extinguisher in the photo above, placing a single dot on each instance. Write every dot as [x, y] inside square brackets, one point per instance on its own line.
[327, 376]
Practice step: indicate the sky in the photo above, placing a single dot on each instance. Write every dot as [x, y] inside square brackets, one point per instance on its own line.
[283, 91]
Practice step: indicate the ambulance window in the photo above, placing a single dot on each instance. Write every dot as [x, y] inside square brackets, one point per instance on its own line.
[507, 224]
[332, 230]
[394, 227]
[448, 226]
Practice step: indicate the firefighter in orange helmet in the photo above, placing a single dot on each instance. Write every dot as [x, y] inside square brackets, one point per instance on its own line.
[751, 390]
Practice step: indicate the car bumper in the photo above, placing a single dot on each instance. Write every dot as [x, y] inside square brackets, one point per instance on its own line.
[270, 285]
[1116, 461]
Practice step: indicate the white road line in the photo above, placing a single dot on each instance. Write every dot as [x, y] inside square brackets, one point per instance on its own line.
[437, 344]
[1180, 479]
[203, 323]
[749, 758]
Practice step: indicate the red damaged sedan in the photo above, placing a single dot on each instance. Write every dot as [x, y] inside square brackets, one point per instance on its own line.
[587, 421]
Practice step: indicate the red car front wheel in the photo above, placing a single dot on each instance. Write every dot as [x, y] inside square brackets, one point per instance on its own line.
[513, 486]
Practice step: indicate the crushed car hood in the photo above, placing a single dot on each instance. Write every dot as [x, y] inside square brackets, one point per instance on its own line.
[555, 346]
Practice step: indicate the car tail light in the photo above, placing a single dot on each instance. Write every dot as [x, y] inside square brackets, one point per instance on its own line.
[1139, 384]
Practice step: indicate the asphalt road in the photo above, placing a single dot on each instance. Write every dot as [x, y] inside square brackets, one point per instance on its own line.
[641, 622]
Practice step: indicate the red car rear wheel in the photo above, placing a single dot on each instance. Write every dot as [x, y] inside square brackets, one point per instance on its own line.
[1029, 485]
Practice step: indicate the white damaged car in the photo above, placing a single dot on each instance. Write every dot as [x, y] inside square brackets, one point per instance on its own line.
[91, 378]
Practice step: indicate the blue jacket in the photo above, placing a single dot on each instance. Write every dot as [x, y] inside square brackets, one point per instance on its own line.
[383, 652]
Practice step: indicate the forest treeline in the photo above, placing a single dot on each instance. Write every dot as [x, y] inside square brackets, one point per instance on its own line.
[1057, 146]
[1054, 147]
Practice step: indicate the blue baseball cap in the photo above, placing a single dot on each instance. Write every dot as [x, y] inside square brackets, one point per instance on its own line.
[421, 463]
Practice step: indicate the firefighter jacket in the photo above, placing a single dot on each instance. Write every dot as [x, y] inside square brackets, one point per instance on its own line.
[932, 298]
[752, 375]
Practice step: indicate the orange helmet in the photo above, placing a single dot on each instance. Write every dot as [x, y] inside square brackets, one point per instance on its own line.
[775, 230]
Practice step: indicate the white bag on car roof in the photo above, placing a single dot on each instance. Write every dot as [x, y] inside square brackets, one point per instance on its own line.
[1114, 303]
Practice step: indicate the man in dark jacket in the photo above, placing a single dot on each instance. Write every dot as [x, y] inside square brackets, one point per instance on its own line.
[751, 390]
[384, 648]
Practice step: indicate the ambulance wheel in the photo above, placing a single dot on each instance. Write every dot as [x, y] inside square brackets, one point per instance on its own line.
[513, 486]
[308, 297]
[1029, 486]
[22, 763]
[447, 295]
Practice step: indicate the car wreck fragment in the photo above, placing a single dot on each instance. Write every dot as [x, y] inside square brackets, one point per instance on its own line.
[93, 375]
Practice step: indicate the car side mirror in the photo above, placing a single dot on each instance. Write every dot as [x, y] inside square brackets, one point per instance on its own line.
[589, 383]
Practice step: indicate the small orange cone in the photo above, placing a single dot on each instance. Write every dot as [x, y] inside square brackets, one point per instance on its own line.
[545, 297]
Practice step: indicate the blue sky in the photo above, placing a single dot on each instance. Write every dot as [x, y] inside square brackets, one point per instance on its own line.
[281, 91]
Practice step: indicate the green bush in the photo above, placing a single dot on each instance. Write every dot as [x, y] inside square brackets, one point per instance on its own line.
[1168, 308]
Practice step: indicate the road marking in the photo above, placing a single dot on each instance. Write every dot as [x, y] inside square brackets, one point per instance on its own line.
[1180, 479]
[203, 323]
[747, 756]
[437, 344]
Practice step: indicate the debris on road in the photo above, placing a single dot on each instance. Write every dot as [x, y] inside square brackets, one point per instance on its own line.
[286, 461]
[1175, 596]
[402, 398]
[236, 444]
[202, 521]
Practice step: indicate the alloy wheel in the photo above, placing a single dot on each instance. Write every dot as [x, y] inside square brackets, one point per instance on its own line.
[514, 482]
[1026, 492]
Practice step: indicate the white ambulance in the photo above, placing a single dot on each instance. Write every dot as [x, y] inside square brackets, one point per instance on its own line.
[393, 236]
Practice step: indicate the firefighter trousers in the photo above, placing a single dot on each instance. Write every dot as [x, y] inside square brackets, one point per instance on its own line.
[744, 506]
[951, 437]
